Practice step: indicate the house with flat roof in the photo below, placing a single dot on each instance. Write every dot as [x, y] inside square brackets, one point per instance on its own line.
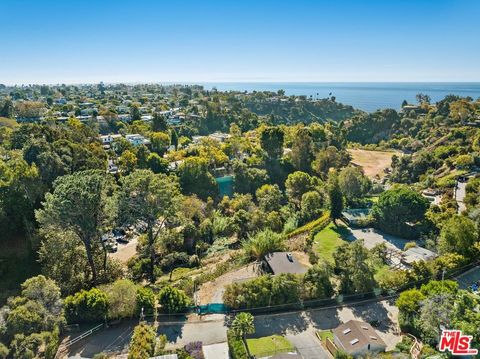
[284, 262]
[137, 139]
[358, 338]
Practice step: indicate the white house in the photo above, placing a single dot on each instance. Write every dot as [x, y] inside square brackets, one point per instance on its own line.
[108, 139]
[137, 139]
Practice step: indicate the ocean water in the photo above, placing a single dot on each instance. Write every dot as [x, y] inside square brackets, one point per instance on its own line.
[364, 96]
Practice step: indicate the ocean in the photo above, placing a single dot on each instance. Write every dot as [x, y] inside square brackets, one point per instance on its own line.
[364, 96]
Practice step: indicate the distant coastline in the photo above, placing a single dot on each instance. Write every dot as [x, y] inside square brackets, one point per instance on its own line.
[366, 96]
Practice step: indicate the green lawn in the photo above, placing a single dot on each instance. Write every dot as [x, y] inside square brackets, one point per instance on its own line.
[268, 345]
[328, 239]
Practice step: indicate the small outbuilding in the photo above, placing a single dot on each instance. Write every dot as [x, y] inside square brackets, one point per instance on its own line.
[284, 262]
[358, 338]
[354, 216]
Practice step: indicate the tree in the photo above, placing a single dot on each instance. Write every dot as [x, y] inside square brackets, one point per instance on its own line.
[248, 179]
[122, 299]
[174, 138]
[36, 345]
[458, 235]
[242, 325]
[158, 122]
[3, 351]
[7, 109]
[408, 302]
[86, 306]
[297, 184]
[196, 179]
[353, 183]
[353, 268]
[263, 243]
[269, 197]
[302, 146]
[142, 344]
[422, 98]
[173, 300]
[397, 207]
[149, 197]
[145, 301]
[311, 205]
[271, 140]
[128, 161]
[335, 197]
[329, 158]
[39, 308]
[135, 113]
[317, 282]
[82, 204]
[20, 188]
[159, 142]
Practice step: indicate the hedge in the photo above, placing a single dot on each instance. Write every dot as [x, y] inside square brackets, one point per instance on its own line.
[316, 225]
[235, 346]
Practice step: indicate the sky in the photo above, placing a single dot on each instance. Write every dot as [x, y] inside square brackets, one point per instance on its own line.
[73, 41]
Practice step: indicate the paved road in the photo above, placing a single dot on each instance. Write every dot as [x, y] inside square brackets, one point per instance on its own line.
[299, 327]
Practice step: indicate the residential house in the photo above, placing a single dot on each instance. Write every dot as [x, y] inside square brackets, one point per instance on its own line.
[358, 338]
[137, 139]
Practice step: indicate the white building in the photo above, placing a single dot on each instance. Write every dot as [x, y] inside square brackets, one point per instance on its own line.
[137, 139]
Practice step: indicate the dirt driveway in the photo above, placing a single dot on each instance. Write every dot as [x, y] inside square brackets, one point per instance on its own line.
[212, 292]
[126, 250]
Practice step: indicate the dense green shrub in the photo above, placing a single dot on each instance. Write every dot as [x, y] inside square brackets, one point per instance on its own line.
[145, 300]
[236, 346]
[142, 344]
[86, 306]
[173, 300]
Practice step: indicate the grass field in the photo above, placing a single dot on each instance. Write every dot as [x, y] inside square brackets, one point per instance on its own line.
[327, 240]
[269, 345]
[372, 162]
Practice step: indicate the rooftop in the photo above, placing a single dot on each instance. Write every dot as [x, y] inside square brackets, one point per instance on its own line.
[354, 335]
[416, 254]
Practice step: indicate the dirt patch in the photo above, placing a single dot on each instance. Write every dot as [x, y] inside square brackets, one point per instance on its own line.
[212, 292]
[373, 163]
[126, 251]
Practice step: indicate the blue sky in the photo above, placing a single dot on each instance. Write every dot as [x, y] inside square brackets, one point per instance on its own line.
[72, 41]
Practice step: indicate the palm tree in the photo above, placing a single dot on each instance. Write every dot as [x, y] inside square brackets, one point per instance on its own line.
[243, 325]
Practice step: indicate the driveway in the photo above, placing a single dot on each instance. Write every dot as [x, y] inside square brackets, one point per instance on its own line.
[308, 345]
[211, 329]
[460, 193]
[126, 250]
[372, 237]
[216, 351]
